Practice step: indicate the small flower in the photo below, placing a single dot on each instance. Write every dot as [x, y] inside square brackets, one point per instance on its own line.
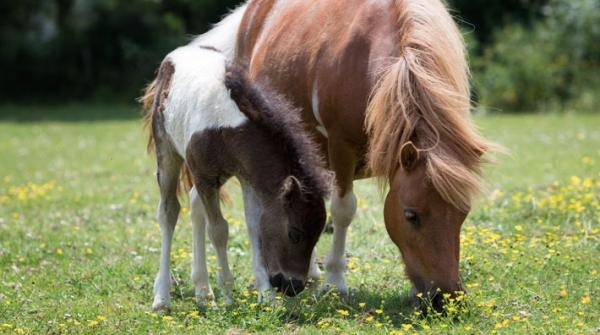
[586, 299]
[343, 312]
[361, 304]
[378, 311]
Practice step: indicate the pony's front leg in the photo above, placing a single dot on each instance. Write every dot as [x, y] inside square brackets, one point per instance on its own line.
[168, 211]
[202, 287]
[343, 208]
[252, 212]
[218, 231]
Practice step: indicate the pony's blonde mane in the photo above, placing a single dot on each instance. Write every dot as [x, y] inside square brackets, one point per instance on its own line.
[423, 96]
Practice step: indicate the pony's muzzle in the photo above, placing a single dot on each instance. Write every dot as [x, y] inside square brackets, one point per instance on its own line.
[288, 286]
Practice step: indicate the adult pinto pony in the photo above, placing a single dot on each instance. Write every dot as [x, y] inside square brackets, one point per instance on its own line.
[384, 86]
[210, 122]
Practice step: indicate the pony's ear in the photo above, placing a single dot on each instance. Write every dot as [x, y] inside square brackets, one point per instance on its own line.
[409, 156]
[291, 189]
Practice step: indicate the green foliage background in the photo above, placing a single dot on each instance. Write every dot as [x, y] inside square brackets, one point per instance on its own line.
[526, 54]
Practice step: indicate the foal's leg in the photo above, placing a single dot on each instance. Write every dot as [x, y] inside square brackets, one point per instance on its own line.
[218, 230]
[314, 273]
[253, 211]
[168, 211]
[202, 287]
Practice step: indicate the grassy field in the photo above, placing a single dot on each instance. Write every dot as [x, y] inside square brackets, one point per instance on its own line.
[79, 244]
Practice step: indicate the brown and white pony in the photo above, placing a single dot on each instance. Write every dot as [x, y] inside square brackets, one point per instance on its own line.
[384, 86]
[209, 121]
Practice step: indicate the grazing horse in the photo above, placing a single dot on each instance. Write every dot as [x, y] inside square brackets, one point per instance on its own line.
[210, 121]
[383, 85]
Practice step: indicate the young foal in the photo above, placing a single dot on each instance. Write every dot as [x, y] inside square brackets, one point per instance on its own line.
[210, 120]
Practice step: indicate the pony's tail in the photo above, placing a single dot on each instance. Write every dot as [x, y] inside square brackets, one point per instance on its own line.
[149, 106]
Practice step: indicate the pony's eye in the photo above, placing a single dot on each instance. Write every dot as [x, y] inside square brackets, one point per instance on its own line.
[411, 216]
[294, 235]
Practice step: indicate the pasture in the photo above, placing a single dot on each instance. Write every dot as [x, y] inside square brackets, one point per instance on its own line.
[79, 243]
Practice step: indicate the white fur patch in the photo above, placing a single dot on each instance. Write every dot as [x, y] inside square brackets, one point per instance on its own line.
[315, 108]
[198, 98]
[223, 35]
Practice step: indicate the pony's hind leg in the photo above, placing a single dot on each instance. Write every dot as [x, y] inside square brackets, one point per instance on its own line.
[168, 211]
[202, 287]
[218, 231]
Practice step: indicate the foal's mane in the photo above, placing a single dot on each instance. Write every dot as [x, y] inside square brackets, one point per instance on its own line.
[262, 105]
[424, 97]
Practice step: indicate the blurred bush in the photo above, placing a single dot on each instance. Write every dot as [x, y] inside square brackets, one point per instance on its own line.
[65, 49]
[525, 55]
[552, 64]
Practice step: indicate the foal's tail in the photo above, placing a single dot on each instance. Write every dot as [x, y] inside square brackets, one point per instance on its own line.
[149, 107]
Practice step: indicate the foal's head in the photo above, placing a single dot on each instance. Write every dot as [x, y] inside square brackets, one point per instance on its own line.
[293, 215]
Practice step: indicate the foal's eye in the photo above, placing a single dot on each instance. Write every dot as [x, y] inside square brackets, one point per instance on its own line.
[294, 235]
[411, 216]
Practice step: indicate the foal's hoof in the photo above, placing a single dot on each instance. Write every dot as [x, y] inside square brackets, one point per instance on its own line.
[161, 303]
[266, 297]
[340, 290]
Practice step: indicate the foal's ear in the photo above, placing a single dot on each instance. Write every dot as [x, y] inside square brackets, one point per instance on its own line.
[409, 156]
[291, 189]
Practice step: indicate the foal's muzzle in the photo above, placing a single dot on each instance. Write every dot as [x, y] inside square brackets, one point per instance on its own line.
[289, 287]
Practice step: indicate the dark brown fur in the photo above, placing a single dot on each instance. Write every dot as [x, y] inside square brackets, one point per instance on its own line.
[269, 110]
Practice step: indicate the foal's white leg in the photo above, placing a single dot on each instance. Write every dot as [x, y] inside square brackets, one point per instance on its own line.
[202, 287]
[342, 212]
[168, 211]
[218, 230]
[253, 211]
[314, 273]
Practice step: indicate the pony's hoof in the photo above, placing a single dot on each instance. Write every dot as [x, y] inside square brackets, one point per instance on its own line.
[204, 296]
[161, 303]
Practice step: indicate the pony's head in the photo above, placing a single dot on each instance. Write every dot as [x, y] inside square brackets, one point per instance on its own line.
[423, 142]
[424, 226]
[294, 216]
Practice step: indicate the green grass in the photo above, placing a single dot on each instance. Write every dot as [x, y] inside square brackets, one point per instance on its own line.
[79, 243]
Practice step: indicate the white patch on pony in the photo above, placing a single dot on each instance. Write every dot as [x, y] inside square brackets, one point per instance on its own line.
[198, 98]
[315, 109]
[342, 212]
[223, 35]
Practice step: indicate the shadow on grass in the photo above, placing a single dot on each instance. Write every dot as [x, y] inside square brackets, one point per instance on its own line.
[71, 112]
[394, 307]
